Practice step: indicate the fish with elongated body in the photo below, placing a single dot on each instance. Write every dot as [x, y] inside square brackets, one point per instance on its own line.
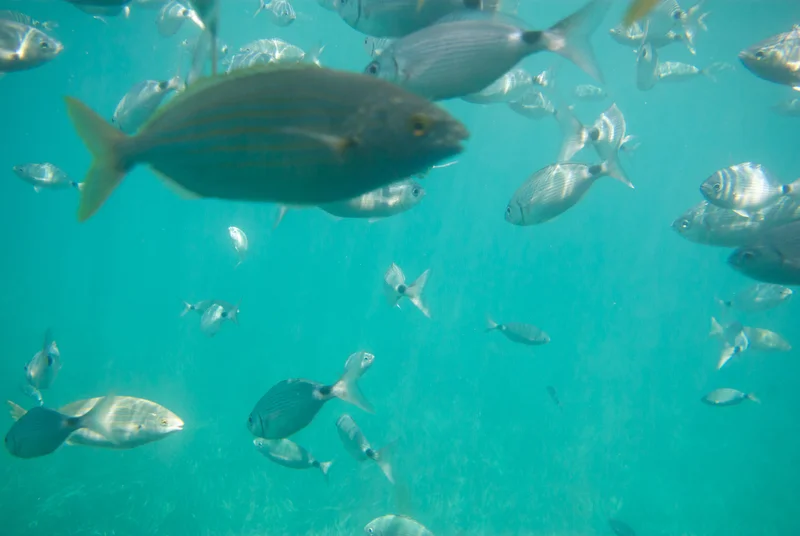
[24, 47]
[519, 333]
[727, 397]
[510, 87]
[676, 71]
[131, 422]
[357, 445]
[773, 257]
[45, 176]
[291, 134]
[462, 56]
[289, 454]
[395, 525]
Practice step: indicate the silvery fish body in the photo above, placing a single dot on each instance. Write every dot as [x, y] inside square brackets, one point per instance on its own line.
[646, 67]
[45, 176]
[510, 87]
[289, 454]
[772, 257]
[764, 340]
[727, 397]
[358, 363]
[745, 187]
[588, 92]
[759, 297]
[356, 444]
[173, 15]
[231, 311]
[240, 243]
[533, 105]
[633, 36]
[213, 318]
[24, 47]
[44, 366]
[776, 59]
[675, 71]
[520, 333]
[141, 101]
[395, 525]
[266, 51]
[281, 12]
[382, 203]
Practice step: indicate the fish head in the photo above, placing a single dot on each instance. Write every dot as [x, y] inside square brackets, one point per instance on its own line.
[21, 171]
[758, 261]
[38, 47]
[255, 424]
[765, 60]
[410, 193]
[713, 188]
[515, 214]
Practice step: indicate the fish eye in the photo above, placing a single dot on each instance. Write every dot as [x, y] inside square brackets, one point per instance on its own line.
[685, 224]
[759, 55]
[373, 68]
[748, 255]
[415, 192]
[508, 210]
[44, 45]
[420, 124]
[163, 422]
[717, 186]
[370, 531]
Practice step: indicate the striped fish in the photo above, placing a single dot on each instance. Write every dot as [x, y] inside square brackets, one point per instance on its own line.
[300, 135]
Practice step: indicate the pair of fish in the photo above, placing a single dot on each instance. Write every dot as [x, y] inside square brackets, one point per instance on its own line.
[240, 243]
[313, 139]
[737, 339]
[213, 313]
[45, 176]
[395, 288]
[772, 257]
[291, 405]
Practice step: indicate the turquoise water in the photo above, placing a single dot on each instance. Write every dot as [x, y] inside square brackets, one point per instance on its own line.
[481, 449]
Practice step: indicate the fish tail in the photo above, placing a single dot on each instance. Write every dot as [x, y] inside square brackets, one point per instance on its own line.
[282, 210]
[574, 137]
[101, 138]
[97, 419]
[793, 189]
[233, 314]
[753, 397]
[15, 410]
[613, 169]
[491, 324]
[716, 328]
[186, 308]
[727, 353]
[414, 292]
[570, 36]
[261, 6]
[701, 21]
[347, 389]
[385, 458]
[325, 467]
[314, 54]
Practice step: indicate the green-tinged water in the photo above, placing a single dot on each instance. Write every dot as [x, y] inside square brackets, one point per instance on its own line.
[481, 449]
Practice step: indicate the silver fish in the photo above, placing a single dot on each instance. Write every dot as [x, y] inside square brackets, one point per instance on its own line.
[588, 92]
[32, 392]
[646, 67]
[266, 51]
[510, 87]
[281, 12]
[758, 297]
[130, 422]
[172, 16]
[734, 340]
[727, 397]
[289, 454]
[141, 102]
[746, 187]
[240, 243]
[395, 288]
[533, 105]
[675, 71]
[394, 525]
[462, 57]
[382, 203]
[773, 257]
[44, 366]
[634, 36]
[314, 140]
[24, 47]
[213, 318]
[231, 311]
[776, 59]
[764, 340]
[520, 333]
[42, 430]
[553, 190]
[45, 176]
[376, 45]
[356, 444]
[358, 363]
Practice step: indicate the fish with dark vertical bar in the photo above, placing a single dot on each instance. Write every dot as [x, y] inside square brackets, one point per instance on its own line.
[746, 187]
[356, 444]
[289, 454]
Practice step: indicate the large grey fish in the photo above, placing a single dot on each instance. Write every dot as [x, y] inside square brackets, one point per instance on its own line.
[745, 187]
[42, 430]
[293, 134]
[45, 176]
[727, 397]
[395, 525]
[461, 57]
[758, 297]
[141, 102]
[290, 405]
[396, 18]
[553, 190]
[289, 454]
[131, 422]
[382, 203]
[521, 333]
[395, 288]
[774, 257]
[357, 445]
[24, 47]
[776, 59]
[42, 369]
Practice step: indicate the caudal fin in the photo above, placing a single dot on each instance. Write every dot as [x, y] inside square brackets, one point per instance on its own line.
[312, 56]
[97, 419]
[102, 139]
[186, 308]
[15, 410]
[347, 389]
[570, 36]
[726, 354]
[325, 467]
[491, 324]
[613, 169]
[716, 328]
[414, 293]
[384, 458]
[575, 135]
[753, 397]
[261, 6]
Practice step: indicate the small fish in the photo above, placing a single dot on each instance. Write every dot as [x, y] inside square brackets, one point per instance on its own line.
[520, 333]
[629, 144]
[734, 340]
[356, 444]
[462, 57]
[45, 176]
[33, 393]
[106, 8]
[746, 187]
[758, 297]
[172, 16]
[395, 288]
[765, 340]
[675, 71]
[554, 396]
[646, 67]
[727, 397]
[42, 369]
[382, 203]
[281, 12]
[553, 190]
[240, 244]
[774, 257]
[789, 108]
[634, 35]
[588, 92]
[139, 104]
[289, 454]
[291, 405]
[376, 45]
[24, 47]
[395, 525]
[510, 87]
[319, 150]
[776, 59]
[213, 318]
[42, 430]
[620, 528]
[230, 310]
[533, 105]
[357, 364]
[131, 422]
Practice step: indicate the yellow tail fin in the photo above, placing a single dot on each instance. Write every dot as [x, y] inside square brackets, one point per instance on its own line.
[101, 138]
